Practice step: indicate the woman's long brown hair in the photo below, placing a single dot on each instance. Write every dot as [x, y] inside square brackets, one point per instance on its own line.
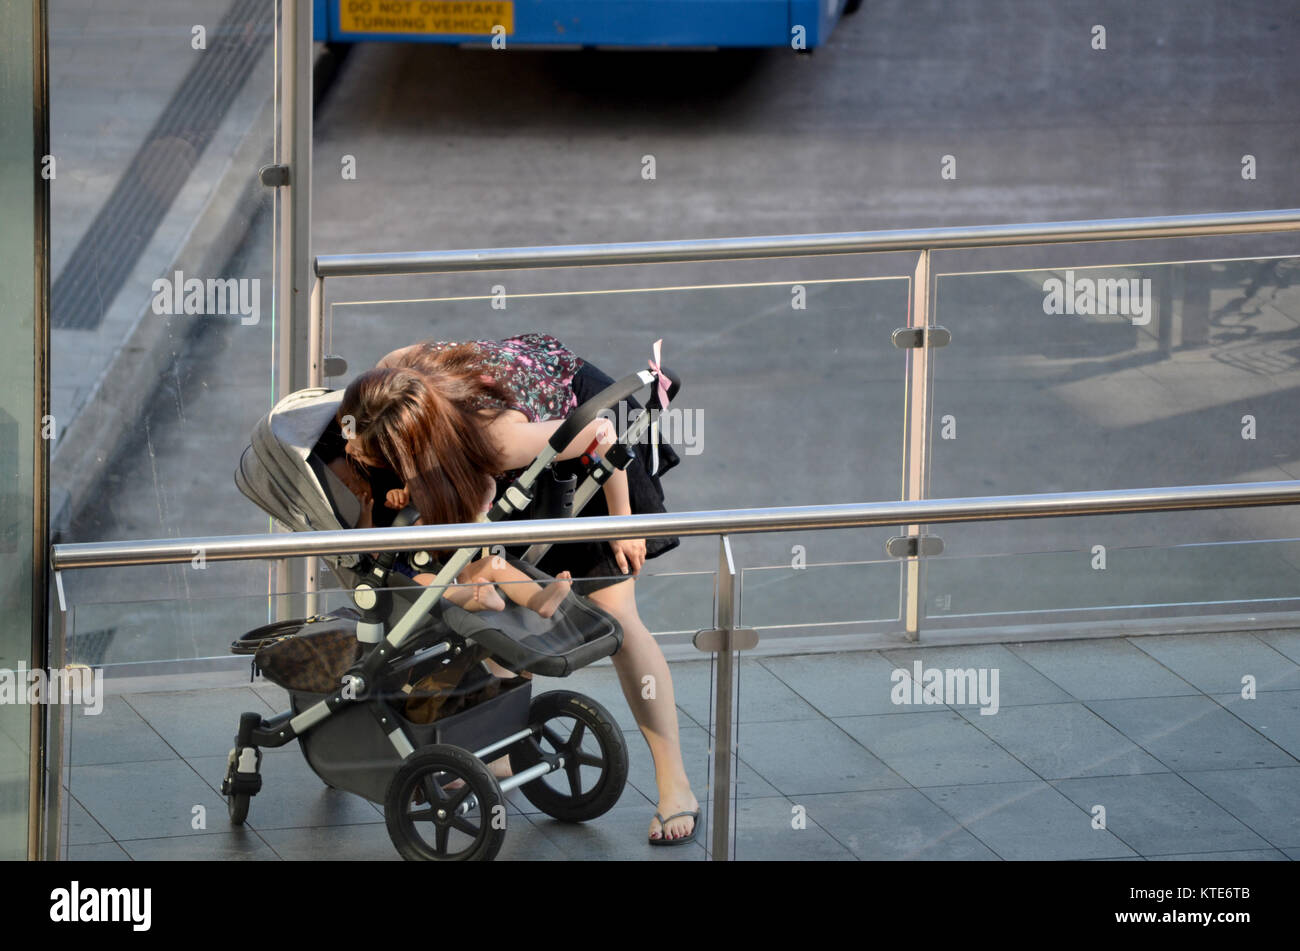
[430, 429]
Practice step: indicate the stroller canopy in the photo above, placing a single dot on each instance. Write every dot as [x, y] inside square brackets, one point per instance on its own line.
[280, 474]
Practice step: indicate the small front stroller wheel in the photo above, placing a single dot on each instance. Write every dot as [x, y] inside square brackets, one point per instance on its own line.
[237, 806]
[581, 731]
[444, 804]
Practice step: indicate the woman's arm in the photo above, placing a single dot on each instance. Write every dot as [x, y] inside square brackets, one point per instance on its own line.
[520, 443]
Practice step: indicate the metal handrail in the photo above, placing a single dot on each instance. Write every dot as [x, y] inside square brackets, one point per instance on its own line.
[723, 522]
[847, 242]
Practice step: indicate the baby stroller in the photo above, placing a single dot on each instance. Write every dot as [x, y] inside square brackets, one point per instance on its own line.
[389, 698]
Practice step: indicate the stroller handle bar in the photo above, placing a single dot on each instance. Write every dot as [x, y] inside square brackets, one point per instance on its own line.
[608, 398]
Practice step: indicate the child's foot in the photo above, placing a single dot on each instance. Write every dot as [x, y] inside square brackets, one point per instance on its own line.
[551, 596]
[488, 598]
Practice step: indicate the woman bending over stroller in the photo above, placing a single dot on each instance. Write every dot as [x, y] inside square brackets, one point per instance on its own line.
[438, 416]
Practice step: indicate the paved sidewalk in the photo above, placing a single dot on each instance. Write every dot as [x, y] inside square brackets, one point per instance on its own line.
[1154, 730]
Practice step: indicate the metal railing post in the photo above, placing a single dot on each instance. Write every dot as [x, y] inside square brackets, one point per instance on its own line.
[299, 349]
[56, 726]
[916, 410]
[724, 640]
[722, 704]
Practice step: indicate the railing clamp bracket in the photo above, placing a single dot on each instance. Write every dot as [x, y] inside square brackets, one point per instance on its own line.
[913, 338]
[713, 640]
[914, 546]
[274, 176]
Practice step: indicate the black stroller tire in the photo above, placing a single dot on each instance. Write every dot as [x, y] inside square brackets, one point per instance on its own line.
[577, 805]
[237, 806]
[415, 785]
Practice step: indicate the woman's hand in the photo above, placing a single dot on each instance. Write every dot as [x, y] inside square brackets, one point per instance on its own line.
[629, 553]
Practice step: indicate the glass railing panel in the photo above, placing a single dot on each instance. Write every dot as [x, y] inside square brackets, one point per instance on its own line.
[163, 296]
[792, 388]
[803, 597]
[1107, 377]
[1185, 579]
[1130, 747]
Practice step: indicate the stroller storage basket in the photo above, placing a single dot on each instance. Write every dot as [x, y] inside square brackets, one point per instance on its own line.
[351, 750]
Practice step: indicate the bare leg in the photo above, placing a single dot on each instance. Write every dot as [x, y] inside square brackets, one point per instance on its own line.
[476, 595]
[641, 657]
[545, 601]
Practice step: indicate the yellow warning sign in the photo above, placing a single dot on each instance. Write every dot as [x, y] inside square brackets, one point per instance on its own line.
[471, 17]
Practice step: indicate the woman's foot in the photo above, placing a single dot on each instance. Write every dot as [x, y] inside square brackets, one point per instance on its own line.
[551, 596]
[670, 805]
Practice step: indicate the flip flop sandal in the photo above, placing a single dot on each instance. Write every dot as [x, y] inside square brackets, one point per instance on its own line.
[681, 840]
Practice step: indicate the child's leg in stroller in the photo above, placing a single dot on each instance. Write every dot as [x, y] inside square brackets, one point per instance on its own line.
[521, 588]
[470, 592]
[640, 656]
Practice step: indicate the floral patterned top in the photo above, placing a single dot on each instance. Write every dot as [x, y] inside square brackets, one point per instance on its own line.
[536, 367]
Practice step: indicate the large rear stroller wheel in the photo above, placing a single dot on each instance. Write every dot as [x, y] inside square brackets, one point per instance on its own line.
[444, 805]
[579, 729]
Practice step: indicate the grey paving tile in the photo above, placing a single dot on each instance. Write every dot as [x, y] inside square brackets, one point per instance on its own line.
[275, 697]
[99, 852]
[198, 722]
[15, 724]
[82, 829]
[939, 748]
[1256, 855]
[763, 696]
[1292, 854]
[695, 757]
[1161, 814]
[1274, 713]
[770, 829]
[1109, 669]
[356, 843]
[1286, 643]
[292, 797]
[1064, 740]
[525, 842]
[517, 803]
[146, 800]
[841, 685]
[621, 833]
[803, 757]
[1027, 821]
[1267, 800]
[1018, 683]
[1189, 733]
[116, 735]
[241, 845]
[13, 761]
[893, 825]
[1216, 663]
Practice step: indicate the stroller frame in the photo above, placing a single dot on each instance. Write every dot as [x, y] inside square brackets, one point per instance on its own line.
[356, 738]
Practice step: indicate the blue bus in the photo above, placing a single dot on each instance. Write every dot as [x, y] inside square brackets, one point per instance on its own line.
[638, 24]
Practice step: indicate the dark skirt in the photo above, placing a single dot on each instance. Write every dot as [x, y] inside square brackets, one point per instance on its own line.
[595, 560]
